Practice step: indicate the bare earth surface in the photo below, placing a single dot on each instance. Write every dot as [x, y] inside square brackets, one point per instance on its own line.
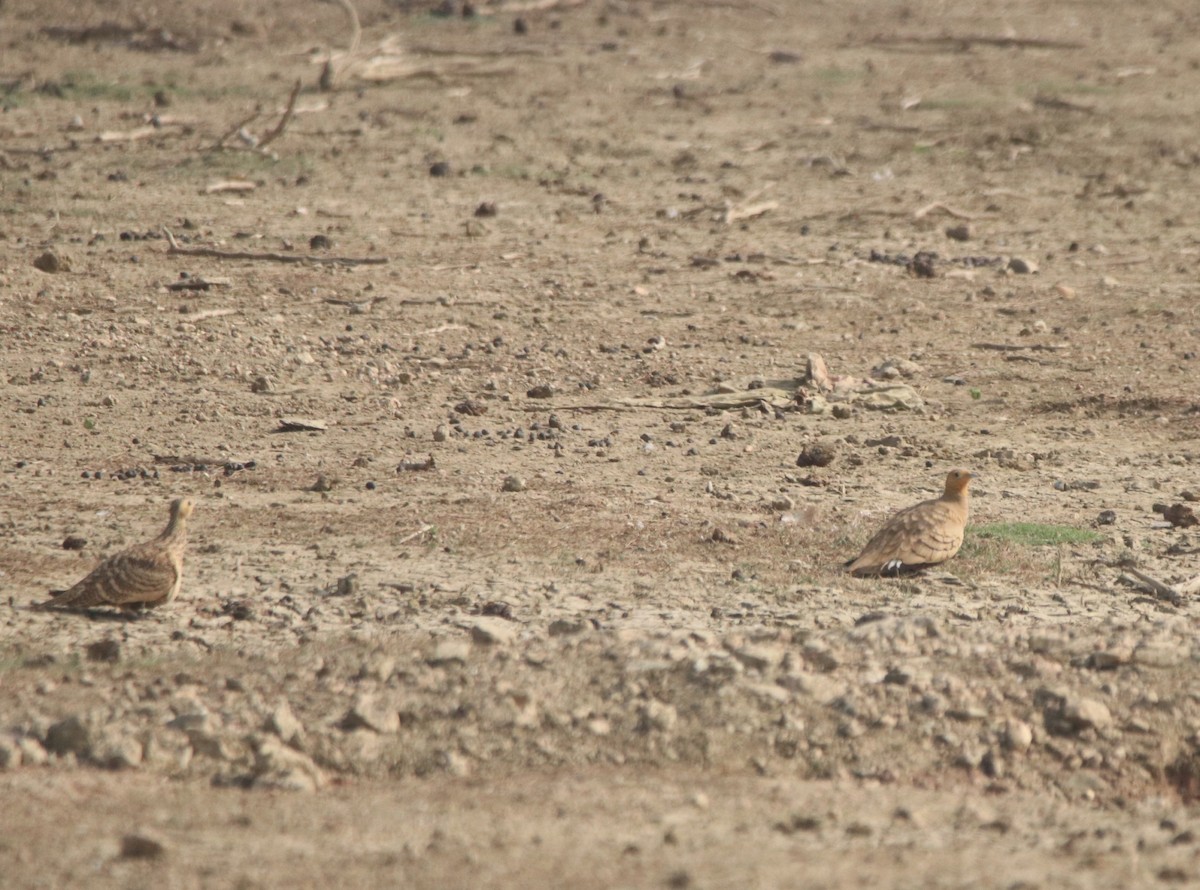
[536, 593]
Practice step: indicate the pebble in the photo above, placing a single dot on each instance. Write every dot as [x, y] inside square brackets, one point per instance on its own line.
[71, 735]
[1086, 713]
[656, 716]
[10, 753]
[107, 650]
[1022, 266]
[493, 631]
[51, 263]
[282, 722]
[815, 455]
[760, 657]
[450, 649]
[32, 752]
[373, 712]
[118, 750]
[1017, 735]
[513, 484]
[141, 846]
[278, 766]
[1180, 516]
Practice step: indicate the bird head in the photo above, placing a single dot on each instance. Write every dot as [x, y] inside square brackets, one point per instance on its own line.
[181, 508]
[957, 482]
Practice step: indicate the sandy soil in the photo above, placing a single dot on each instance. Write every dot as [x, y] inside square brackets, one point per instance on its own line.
[537, 595]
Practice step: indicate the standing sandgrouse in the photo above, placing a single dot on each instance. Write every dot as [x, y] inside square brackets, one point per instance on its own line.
[143, 576]
[920, 536]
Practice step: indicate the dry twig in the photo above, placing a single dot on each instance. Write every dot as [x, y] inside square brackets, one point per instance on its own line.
[422, 530]
[966, 41]
[1160, 590]
[176, 250]
[278, 129]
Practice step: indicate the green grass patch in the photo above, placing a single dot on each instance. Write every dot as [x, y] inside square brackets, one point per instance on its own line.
[1035, 534]
[87, 85]
[834, 75]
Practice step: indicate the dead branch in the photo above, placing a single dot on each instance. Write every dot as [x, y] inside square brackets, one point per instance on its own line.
[966, 41]
[176, 250]
[210, 313]
[922, 212]
[278, 129]
[422, 530]
[732, 214]
[1160, 590]
[1016, 347]
[235, 129]
[355, 40]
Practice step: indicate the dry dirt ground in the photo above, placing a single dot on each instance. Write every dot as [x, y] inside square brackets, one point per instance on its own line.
[540, 597]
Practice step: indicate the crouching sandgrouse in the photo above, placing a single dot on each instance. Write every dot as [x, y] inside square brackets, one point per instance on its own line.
[144, 576]
[920, 536]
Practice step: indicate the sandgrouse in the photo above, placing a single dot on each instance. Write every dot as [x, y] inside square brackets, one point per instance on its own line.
[920, 536]
[144, 576]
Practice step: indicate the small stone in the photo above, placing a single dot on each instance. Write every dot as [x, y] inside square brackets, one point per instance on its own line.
[471, 408]
[1018, 735]
[320, 242]
[960, 232]
[141, 846]
[283, 722]
[117, 751]
[1106, 517]
[10, 753]
[52, 263]
[372, 712]
[1160, 654]
[657, 717]
[817, 372]
[441, 434]
[1085, 713]
[262, 384]
[377, 666]
[451, 649]
[493, 631]
[70, 735]
[513, 483]
[564, 627]
[74, 542]
[1180, 516]
[108, 650]
[541, 391]
[781, 503]
[815, 455]
[32, 752]
[278, 766]
[1022, 266]
[440, 168]
[760, 657]
[322, 484]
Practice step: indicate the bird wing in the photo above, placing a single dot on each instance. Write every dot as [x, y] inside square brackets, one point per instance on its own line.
[924, 534]
[141, 574]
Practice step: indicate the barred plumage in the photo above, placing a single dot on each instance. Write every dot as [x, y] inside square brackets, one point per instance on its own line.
[145, 575]
[920, 536]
